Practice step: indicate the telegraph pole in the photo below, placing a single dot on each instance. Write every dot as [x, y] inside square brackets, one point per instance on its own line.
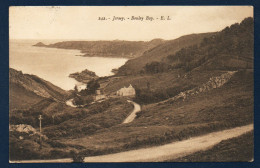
[53, 116]
[40, 118]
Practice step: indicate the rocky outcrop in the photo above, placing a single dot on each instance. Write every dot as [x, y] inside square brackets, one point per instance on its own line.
[40, 44]
[214, 82]
[84, 76]
[27, 129]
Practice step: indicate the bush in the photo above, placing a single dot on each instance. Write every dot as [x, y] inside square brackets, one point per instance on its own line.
[78, 158]
[156, 67]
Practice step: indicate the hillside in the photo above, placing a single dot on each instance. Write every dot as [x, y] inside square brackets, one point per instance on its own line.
[228, 49]
[26, 90]
[31, 96]
[161, 51]
[116, 48]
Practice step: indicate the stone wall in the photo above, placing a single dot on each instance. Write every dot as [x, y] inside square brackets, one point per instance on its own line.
[214, 82]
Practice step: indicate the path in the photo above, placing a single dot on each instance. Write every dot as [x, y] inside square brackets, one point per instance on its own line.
[132, 116]
[69, 103]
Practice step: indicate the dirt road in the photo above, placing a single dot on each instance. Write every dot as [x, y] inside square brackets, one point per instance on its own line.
[69, 103]
[132, 116]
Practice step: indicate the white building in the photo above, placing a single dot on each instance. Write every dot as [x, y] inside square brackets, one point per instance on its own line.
[99, 96]
[130, 91]
[81, 86]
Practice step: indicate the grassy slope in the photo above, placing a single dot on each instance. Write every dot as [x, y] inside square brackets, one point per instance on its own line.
[162, 81]
[20, 98]
[239, 149]
[229, 49]
[53, 90]
[234, 97]
[69, 123]
[23, 88]
[160, 52]
[88, 120]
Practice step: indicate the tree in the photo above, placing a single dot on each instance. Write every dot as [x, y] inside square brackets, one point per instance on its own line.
[92, 86]
[148, 85]
[76, 89]
[78, 101]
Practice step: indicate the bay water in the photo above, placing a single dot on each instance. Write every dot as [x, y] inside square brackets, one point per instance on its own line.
[55, 65]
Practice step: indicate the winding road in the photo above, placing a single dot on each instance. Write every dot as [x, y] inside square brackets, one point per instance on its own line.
[70, 103]
[132, 116]
[163, 152]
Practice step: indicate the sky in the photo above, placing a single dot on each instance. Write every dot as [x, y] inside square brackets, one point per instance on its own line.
[81, 22]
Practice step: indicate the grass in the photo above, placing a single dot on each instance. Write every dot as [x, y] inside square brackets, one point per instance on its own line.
[94, 117]
[21, 99]
[161, 81]
[68, 125]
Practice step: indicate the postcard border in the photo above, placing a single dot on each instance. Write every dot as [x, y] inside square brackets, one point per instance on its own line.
[4, 80]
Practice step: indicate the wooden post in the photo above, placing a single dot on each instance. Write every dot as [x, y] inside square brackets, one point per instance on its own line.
[40, 118]
[53, 116]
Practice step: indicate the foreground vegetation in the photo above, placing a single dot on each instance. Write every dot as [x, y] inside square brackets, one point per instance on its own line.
[67, 123]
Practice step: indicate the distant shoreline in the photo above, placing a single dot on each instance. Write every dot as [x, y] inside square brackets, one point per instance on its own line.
[112, 49]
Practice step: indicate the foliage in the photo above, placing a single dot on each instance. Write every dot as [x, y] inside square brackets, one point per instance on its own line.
[98, 116]
[146, 96]
[92, 86]
[234, 42]
[156, 67]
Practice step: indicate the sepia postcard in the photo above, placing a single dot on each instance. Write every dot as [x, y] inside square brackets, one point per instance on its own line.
[131, 84]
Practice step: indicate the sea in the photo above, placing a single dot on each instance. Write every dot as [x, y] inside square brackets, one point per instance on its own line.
[55, 65]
